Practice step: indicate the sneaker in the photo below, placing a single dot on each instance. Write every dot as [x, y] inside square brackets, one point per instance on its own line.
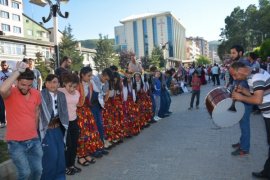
[156, 118]
[239, 152]
[190, 108]
[3, 125]
[236, 145]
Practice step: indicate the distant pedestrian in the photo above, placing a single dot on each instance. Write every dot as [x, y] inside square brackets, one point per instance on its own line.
[4, 74]
[63, 69]
[196, 86]
[157, 93]
[22, 110]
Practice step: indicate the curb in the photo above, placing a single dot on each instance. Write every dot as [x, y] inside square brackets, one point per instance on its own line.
[7, 170]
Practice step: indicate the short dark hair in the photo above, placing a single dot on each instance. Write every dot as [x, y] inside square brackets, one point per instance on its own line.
[238, 48]
[84, 71]
[253, 55]
[27, 75]
[65, 58]
[71, 78]
[3, 62]
[50, 77]
[114, 68]
[25, 60]
[236, 65]
[107, 72]
[153, 68]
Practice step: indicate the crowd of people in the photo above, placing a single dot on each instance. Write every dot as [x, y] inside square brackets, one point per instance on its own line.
[49, 125]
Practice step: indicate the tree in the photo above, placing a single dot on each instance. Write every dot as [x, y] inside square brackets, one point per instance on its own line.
[105, 56]
[125, 58]
[68, 47]
[157, 58]
[265, 49]
[40, 64]
[201, 60]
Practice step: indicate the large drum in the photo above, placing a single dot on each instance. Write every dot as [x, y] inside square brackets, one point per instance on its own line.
[217, 102]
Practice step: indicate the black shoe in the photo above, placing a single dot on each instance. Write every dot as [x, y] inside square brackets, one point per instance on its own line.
[152, 121]
[236, 145]
[104, 152]
[240, 152]
[260, 175]
[97, 154]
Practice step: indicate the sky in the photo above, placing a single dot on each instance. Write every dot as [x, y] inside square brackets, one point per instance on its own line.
[89, 18]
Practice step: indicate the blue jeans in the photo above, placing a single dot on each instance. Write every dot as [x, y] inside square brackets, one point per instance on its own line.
[27, 157]
[96, 110]
[245, 128]
[53, 160]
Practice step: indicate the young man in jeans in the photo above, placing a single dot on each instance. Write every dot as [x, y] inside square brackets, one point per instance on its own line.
[22, 110]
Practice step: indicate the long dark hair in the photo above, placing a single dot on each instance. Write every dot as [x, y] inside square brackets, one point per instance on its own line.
[84, 71]
[117, 84]
[135, 83]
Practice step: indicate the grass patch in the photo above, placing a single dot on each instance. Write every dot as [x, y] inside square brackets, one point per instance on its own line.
[3, 151]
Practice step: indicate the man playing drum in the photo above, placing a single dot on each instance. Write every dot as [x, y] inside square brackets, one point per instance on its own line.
[258, 93]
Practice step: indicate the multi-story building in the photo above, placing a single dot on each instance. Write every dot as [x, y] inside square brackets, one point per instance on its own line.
[202, 44]
[192, 51]
[141, 33]
[11, 20]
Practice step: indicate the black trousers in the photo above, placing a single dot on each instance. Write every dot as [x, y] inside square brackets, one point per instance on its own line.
[266, 168]
[2, 111]
[216, 79]
[72, 139]
[197, 94]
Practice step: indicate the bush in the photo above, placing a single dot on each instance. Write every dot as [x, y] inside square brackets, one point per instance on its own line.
[3, 151]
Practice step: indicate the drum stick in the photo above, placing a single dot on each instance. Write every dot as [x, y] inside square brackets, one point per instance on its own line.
[232, 108]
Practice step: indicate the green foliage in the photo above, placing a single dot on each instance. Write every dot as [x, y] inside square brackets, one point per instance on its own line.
[3, 151]
[105, 56]
[68, 47]
[202, 60]
[265, 49]
[125, 58]
[157, 58]
[247, 27]
[42, 67]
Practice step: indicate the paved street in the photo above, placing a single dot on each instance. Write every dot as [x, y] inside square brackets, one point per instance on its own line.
[185, 146]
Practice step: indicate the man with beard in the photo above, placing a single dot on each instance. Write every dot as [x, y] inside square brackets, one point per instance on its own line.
[4, 74]
[22, 110]
[257, 93]
[63, 69]
[242, 147]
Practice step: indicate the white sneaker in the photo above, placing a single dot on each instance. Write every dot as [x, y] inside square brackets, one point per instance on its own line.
[159, 118]
[156, 118]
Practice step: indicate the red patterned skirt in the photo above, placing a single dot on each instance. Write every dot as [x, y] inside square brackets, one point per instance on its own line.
[89, 140]
[131, 118]
[113, 119]
[145, 108]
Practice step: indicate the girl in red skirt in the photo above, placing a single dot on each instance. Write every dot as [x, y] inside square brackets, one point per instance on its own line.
[131, 109]
[89, 140]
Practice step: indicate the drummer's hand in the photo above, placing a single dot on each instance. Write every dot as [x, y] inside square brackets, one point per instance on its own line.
[236, 96]
[239, 89]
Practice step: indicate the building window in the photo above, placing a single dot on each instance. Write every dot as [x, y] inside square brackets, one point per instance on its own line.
[135, 36]
[4, 14]
[145, 37]
[4, 2]
[15, 5]
[170, 35]
[5, 27]
[29, 32]
[154, 25]
[39, 33]
[17, 29]
[11, 48]
[16, 17]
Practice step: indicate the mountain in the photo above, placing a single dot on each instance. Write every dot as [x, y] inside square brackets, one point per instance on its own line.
[92, 43]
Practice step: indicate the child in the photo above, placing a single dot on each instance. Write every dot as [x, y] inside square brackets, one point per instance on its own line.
[195, 84]
[71, 82]
[157, 92]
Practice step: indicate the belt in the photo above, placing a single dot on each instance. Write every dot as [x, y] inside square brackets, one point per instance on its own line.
[54, 123]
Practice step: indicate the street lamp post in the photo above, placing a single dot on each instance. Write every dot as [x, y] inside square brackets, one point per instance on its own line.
[164, 49]
[54, 11]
